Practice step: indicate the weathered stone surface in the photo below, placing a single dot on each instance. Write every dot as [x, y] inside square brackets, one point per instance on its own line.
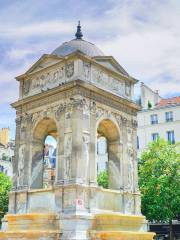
[76, 100]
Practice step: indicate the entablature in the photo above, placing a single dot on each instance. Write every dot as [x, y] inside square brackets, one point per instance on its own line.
[77, 87]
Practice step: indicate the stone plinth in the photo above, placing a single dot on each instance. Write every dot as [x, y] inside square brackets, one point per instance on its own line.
[32, 226]
[117, 226]
[111, 226]
[120, 235]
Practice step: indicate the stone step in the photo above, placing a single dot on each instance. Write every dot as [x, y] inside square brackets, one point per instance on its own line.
[119, 222]
[120, 235]
[30, 235]
[32, 221]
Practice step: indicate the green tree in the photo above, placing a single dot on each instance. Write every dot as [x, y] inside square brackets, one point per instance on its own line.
[5, 186]
[149, 105]
[102, 179]
[159, 181]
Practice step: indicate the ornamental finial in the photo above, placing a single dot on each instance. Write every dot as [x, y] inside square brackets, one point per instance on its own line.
[79, 34]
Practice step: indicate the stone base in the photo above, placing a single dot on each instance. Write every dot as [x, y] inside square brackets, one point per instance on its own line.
[117, 226]
[30, 235]
[31, 226]
[120, 235]
[111, 226]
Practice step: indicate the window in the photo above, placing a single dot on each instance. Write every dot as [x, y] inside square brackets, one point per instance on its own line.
[154, 119]
[1, 168]
[155, 136]
[169, 116]
[137, 142]
[170, 137]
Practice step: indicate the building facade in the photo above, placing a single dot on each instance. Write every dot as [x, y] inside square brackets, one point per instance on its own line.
[6, 152]
[4, 136]
[158, 118]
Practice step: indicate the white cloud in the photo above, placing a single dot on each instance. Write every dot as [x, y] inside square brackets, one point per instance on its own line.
[16, 54]
[143, 36]
[46, 28]
[147, 41]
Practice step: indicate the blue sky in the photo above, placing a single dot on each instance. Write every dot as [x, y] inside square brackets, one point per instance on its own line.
[142, 35]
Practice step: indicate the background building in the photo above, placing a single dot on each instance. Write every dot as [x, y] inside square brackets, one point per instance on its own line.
[158, 118]
[6, 152]
[4, 136]
[49, 165]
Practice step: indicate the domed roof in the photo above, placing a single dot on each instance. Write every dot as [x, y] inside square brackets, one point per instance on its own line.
[78, 44]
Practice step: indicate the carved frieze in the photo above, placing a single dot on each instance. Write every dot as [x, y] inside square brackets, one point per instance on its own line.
[107, 82]
[84, 93]
[46, 80]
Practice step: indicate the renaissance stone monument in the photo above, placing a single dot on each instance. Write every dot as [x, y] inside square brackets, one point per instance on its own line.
[78, 96]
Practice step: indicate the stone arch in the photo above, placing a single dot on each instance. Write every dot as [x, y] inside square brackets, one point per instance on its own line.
[44, 127]
[109, 129]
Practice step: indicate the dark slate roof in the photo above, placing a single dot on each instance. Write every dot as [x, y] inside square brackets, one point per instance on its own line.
[78, 44]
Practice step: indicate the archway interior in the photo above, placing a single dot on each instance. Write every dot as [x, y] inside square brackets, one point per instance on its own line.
[102, 154]
[43, 166]
[49, 161]
[108, 158]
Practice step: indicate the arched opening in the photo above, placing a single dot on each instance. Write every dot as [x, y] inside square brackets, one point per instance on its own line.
[49, 161]
[102, 154]
[108, 154]
[44, 152]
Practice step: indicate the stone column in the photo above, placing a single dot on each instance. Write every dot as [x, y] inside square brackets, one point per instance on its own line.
[60, 150]
[37, 164]
[77, 141]
[125, 154]
[16, 153]
[134, 136]
[26, 140]
[92, 147]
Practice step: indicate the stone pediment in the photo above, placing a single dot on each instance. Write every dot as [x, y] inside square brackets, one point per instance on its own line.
[45, 61]
[52, 71]
[111, 63]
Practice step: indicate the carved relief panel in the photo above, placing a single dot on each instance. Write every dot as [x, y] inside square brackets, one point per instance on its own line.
[107, 82]
[48, 79]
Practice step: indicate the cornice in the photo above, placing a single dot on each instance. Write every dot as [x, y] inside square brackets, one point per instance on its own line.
[81, 85]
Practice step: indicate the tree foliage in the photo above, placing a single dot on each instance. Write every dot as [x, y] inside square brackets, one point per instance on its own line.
[102, 179]
[5, 186]
[149, 105]
[159, 181]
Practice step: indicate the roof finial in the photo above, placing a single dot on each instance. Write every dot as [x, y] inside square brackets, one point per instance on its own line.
[79, 34]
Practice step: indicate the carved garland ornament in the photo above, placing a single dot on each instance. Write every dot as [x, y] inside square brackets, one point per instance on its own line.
[80, 103]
